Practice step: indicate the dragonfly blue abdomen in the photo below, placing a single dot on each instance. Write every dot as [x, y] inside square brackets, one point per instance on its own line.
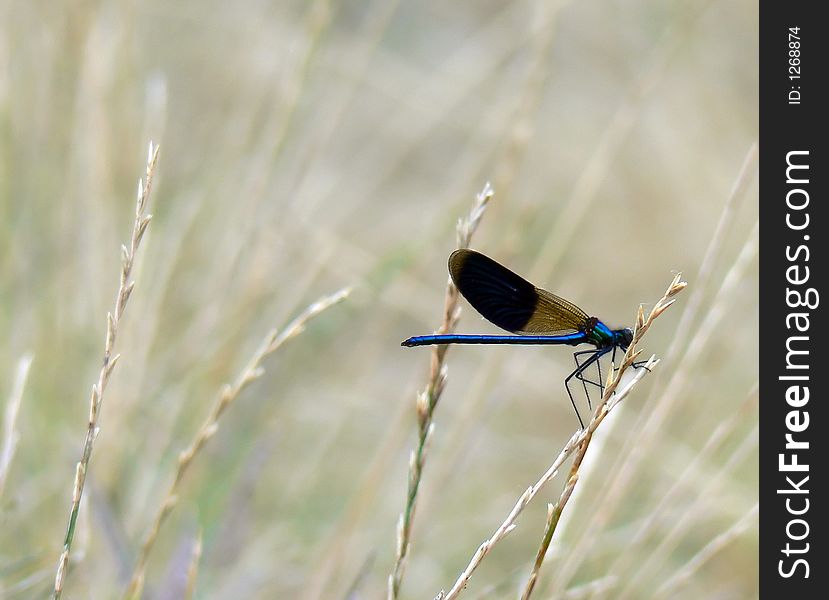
[572, 339]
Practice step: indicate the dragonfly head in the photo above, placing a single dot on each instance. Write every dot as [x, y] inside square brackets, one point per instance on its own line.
[625, 337]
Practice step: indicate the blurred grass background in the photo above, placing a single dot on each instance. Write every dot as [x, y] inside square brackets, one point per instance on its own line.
[307, 146]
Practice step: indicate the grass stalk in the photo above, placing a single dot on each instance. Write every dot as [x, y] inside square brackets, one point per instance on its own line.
[553, 515]
[229, 393]
[684, 350]
[139, 228]
[10, 436]
[579, 442]
[427, 400]
[193, 567]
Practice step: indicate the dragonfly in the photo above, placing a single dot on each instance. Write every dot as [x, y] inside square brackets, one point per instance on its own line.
[534, 315]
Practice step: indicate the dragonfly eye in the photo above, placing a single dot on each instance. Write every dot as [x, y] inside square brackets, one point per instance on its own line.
[627, 337]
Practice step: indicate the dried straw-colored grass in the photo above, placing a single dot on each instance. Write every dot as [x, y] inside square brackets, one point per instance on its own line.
[427, 400]
[684, 351]
[229, 393]
[125, 287]
[326, 147]
[580, 441]
[10, 435]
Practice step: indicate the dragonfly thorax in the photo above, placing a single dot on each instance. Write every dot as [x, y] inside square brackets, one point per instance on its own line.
[603, 336]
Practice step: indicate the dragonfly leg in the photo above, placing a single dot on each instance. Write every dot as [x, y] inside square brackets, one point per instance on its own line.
[582, 367]
[613, 360]
[595, 355]
[579, 374]
[572, 401]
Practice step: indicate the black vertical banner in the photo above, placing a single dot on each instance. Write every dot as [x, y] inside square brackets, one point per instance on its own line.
[793, 224]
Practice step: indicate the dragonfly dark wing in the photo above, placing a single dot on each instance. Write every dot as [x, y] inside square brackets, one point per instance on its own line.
[510, 301]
